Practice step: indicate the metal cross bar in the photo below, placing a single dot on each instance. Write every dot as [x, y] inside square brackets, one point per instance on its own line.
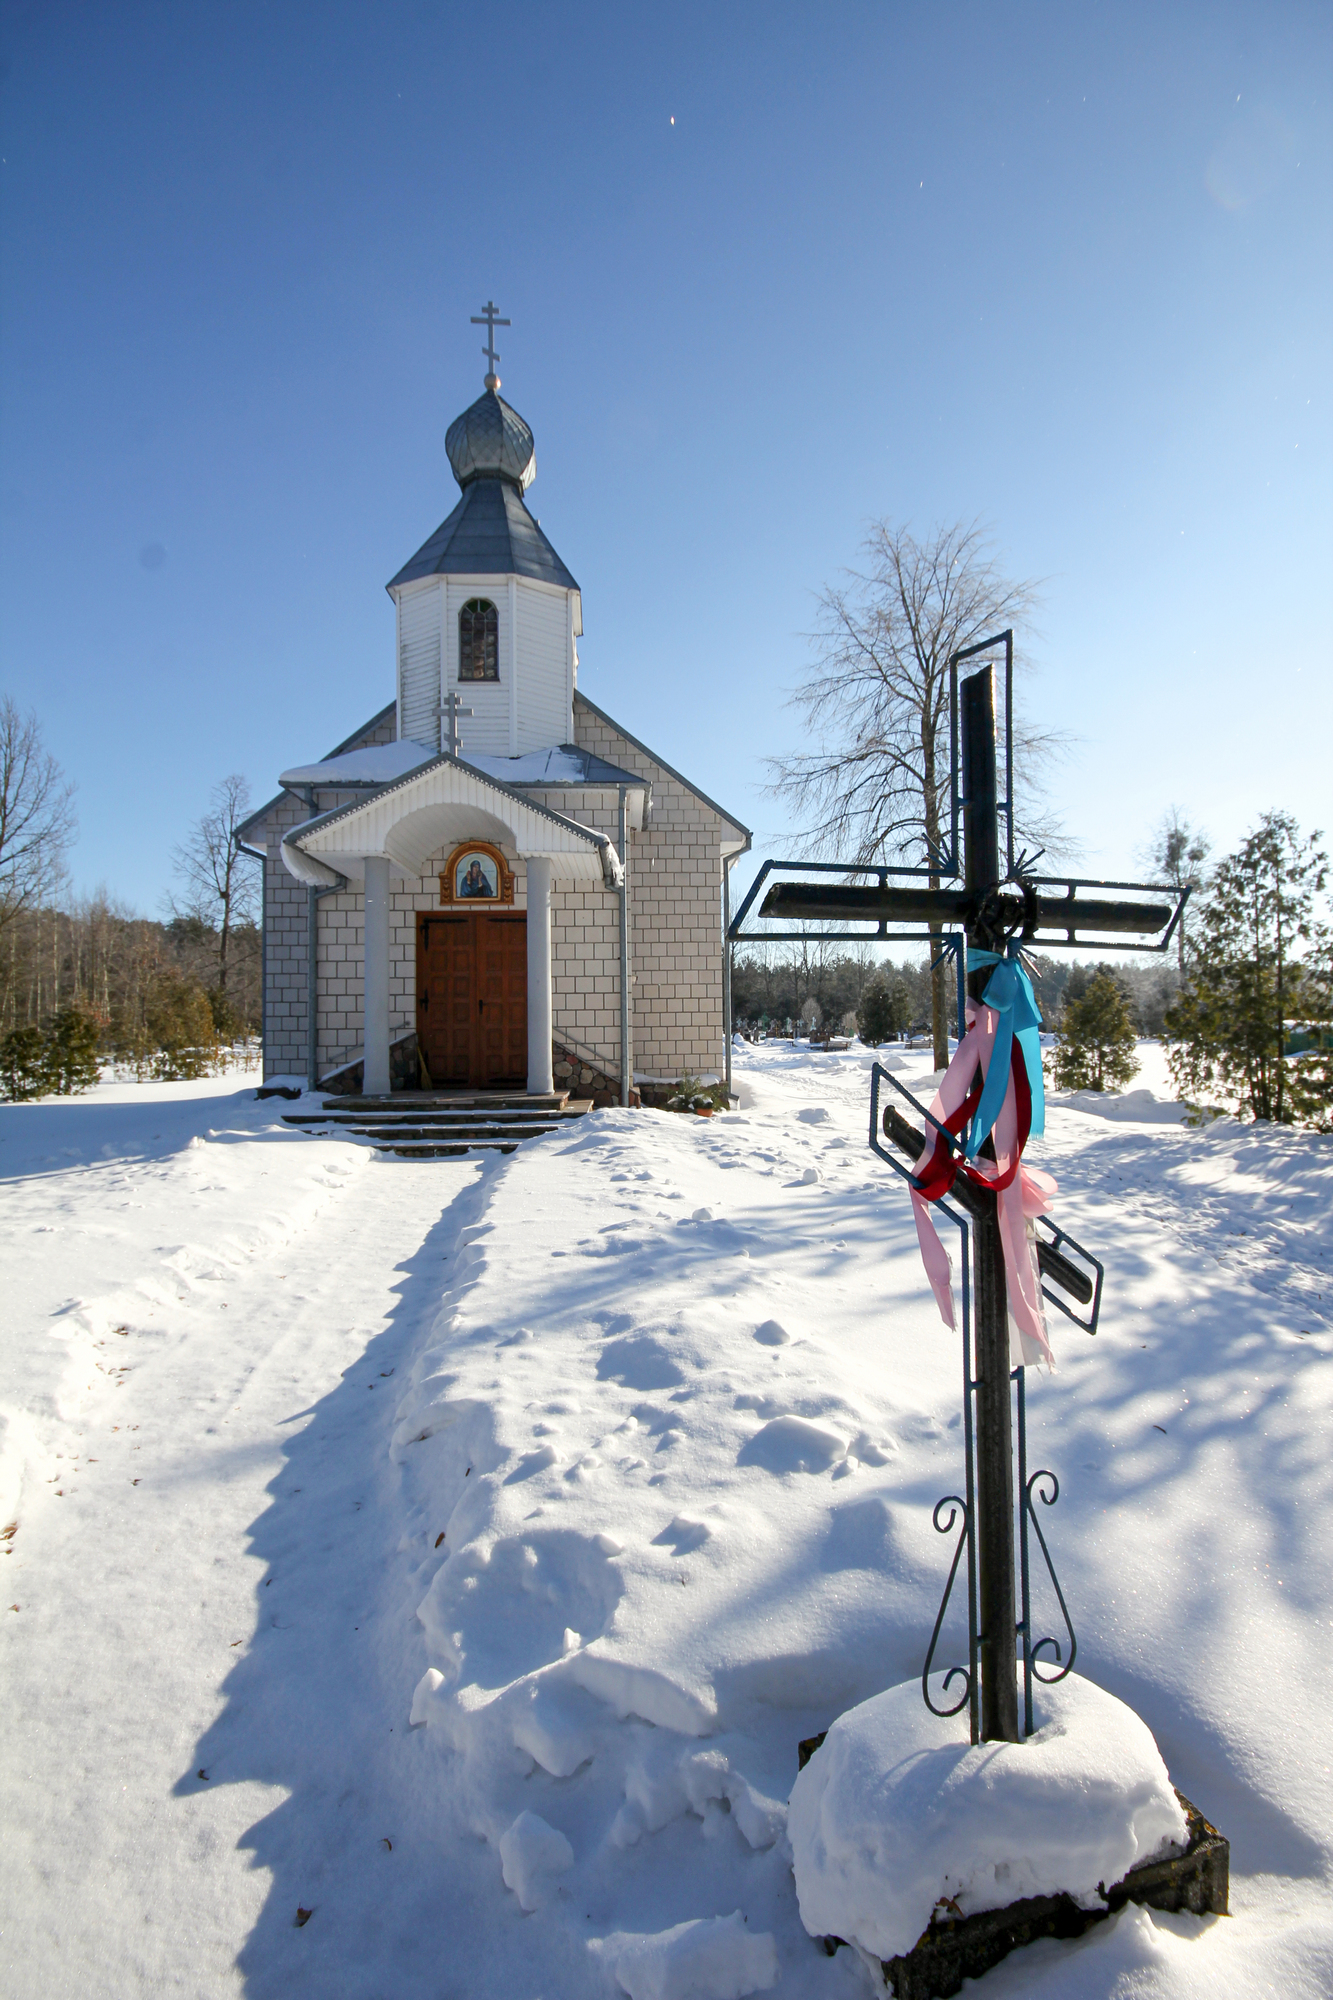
[1016, 910]
[489, 317]
[451, 708]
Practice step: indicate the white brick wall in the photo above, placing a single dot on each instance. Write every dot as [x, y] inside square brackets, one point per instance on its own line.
[675, 914]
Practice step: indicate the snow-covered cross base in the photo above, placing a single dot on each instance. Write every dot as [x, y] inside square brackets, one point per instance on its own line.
[935, 1856]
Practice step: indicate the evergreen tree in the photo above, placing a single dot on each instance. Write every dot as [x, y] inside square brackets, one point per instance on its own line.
[60, 1060]
[1228, 1027]
[70, 1053]
[1310, 1079]
[22, 1069]
[885, 1009]
[1096, 1046]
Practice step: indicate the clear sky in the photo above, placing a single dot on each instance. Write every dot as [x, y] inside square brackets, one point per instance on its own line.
[1066, 270]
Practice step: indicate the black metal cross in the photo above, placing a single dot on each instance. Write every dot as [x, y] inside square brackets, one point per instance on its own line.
[992, 910]
[489, 318]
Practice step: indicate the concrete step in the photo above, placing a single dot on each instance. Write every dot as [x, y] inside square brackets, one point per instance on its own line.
[413, 1151]
[439, 1123]
[472, 1135]
[459, 1100]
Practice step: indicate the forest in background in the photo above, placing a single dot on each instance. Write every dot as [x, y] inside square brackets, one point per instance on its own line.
[88, 974]
[823, 986]
[126, 970]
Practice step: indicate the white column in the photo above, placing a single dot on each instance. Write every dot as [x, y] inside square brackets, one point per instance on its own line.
[539, 974]
[375, 933]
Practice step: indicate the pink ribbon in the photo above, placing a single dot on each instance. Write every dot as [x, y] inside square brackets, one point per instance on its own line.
[1021, 1197]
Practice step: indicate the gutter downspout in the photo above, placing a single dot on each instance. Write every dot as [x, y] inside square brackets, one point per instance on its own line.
[626, 1073]
[728, 949]
[258, 854]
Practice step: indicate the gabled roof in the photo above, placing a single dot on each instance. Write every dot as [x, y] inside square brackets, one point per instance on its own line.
[443, 800]
[489, 533]
[742, 847]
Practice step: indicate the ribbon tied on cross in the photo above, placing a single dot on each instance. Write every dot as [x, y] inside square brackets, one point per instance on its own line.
[992, 1090]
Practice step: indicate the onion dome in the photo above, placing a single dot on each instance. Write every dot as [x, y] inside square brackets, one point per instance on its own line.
[491, 441]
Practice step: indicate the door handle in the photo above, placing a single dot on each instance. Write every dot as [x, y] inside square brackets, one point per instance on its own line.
[423, 1001]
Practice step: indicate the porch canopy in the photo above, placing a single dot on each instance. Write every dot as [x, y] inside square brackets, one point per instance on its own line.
[398, 828]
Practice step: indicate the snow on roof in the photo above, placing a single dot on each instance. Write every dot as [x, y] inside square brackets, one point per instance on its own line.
[377, 764]
[564, 765]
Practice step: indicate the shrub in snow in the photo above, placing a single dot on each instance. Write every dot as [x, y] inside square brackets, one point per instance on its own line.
[60, 1060]
[1096, 1045]
[532, 1854]
[712, 1958]
[897, 1812]
[885, 1009]
[21, 1065]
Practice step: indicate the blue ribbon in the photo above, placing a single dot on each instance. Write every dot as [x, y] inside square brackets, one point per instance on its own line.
[1010, 994]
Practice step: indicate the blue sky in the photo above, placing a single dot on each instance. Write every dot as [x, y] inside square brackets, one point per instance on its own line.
[1067, 271]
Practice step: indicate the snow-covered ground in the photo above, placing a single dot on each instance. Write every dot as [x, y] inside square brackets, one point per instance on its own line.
[457, 1552]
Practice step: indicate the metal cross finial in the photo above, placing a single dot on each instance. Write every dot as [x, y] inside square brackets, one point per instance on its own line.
[452, 708]
[489, 318]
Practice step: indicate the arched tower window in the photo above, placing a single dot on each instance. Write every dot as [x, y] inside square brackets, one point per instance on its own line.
[478, 641]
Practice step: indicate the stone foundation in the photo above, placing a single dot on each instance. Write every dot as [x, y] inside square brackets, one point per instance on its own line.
[404, 1070]
[581, 1078]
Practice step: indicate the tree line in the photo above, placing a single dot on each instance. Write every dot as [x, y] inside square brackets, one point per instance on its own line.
[833, 990]
[85, 976]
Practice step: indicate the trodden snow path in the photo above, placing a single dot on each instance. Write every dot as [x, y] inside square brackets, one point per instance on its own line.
[609, 1467]
[201, 1665]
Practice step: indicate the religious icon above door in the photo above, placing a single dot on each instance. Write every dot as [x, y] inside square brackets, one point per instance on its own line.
[477, 872]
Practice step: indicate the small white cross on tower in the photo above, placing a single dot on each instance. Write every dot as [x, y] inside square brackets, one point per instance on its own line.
[489, 318]
[451, 708]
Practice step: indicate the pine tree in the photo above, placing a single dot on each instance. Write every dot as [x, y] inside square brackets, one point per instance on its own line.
[22, 1068]
[885, 1009]
[70, 1053]
[1310, 1078]
[1096, 1046]
[1228, 1027]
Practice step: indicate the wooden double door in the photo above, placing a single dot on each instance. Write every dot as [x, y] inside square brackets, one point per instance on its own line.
[472, 998]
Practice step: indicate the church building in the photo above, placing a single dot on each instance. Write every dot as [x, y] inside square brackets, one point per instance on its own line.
[491, 885]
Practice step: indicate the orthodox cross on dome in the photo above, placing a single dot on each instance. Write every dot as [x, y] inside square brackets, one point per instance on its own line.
[451, 708]
[489, 318]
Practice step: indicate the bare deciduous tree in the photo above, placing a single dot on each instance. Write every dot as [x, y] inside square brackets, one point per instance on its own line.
[876, 786]
[1177, 851]
[36, 812]
[220, 890]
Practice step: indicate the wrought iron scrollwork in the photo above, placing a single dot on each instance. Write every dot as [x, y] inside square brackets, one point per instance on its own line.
[956, 1505]
[1048, 1495]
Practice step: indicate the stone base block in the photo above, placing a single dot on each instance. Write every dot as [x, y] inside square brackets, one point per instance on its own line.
[962, 1948]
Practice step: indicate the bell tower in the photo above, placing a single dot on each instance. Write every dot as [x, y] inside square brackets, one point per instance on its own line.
[488, 614]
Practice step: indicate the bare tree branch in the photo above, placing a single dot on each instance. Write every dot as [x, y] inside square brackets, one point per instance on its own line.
[219, 891]
[36, 812]
[875, 786]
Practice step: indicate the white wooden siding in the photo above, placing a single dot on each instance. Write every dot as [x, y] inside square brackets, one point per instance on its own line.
[419, 665]
[543, 681]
